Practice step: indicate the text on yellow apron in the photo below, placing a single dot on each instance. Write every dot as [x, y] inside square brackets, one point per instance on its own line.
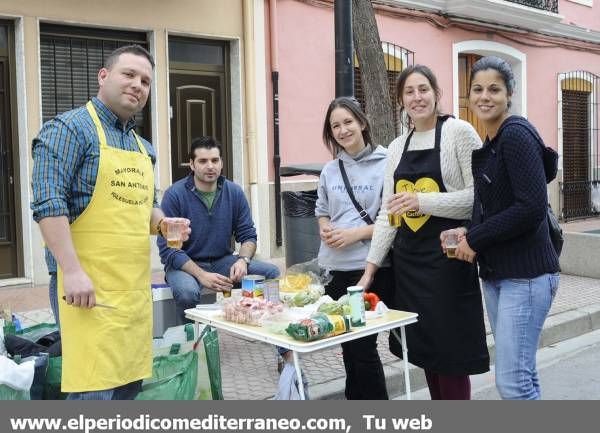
[105, 348]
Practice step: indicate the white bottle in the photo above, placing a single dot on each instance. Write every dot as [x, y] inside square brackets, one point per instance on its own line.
[357, 305]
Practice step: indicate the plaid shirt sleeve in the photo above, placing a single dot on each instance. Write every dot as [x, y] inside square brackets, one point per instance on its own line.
[56, 155]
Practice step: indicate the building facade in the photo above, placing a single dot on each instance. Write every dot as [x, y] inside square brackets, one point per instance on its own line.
[215, 65]
[552, 45]
[204, 84]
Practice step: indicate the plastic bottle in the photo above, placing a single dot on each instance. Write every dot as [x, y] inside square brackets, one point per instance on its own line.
[357, 306]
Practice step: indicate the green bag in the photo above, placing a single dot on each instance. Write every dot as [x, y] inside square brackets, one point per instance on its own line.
[213, 362]
[35, 332]
[174, 377]
[7, 393]
[187, 370]
[53, 380]
[53, 373]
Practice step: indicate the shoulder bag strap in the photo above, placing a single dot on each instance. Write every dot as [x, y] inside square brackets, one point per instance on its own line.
[363, 213]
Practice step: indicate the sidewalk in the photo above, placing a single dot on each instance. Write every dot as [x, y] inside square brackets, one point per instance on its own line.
[249, 368]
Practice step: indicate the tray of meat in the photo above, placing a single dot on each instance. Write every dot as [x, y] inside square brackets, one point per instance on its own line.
[250, 311]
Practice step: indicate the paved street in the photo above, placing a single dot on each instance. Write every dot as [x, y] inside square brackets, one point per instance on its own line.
[249, 368]
[568, 371]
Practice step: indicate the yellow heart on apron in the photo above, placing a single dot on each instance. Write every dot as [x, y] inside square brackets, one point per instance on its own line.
[416, 220]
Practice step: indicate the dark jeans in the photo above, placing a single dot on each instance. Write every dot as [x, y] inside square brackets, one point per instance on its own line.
[365, 379]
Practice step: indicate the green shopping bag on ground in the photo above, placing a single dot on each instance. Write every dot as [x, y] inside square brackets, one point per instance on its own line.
[213, 364]
[174, 377]
[183, 368]
[7, 393]
[52, 379]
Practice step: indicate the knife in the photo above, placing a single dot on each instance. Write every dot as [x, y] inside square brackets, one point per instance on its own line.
[97, 304]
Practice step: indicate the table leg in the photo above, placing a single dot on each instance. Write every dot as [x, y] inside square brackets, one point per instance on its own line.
[405, 360]
[298, 374]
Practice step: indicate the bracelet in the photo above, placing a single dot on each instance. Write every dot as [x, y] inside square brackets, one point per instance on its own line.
[158, 229]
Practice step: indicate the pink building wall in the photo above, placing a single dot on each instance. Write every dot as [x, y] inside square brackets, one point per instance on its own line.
[580, 15]
[307, 81]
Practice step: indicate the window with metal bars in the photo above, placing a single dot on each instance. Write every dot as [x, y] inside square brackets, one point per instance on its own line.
[580, 144]
[70, 60]
[396, 59]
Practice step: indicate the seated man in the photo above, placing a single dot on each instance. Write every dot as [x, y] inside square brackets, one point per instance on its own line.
[217, 209]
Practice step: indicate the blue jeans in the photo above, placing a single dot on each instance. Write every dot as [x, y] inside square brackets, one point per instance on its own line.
[517, 309]
[125, 392]
[188, 291]
[53, 295]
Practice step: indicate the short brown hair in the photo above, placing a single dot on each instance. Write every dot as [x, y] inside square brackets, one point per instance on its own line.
[136, 49]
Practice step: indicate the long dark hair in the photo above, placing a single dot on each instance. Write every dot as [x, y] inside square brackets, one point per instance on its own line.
[353, 106]
[401, 82]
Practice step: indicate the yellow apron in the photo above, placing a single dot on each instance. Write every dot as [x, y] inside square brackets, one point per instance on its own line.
[105, 348]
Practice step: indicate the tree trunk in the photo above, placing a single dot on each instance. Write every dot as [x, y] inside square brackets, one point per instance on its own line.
[373, 73]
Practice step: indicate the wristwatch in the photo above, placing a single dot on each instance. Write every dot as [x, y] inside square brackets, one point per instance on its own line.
[245, 258]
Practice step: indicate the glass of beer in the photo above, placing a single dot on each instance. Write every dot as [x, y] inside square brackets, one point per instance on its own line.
[451, 244]
[174, 235]
[394, 219]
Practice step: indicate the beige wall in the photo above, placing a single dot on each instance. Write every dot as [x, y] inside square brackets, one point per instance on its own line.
[222, 19]
[206, 18]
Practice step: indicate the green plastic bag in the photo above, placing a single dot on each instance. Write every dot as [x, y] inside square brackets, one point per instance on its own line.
[53, 380]
[174, 377]
[53, 373]
[7, 393]
[213, 363]
[187, 370]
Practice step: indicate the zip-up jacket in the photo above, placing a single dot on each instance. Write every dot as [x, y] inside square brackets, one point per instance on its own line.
[211, 229]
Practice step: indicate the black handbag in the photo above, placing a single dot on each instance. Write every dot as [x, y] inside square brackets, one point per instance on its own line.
[550, 158]
[556, 233]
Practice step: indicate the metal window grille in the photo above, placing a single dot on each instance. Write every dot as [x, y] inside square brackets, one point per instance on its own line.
[70, 60]
[396, 59]
[580, 186]
[546, 5]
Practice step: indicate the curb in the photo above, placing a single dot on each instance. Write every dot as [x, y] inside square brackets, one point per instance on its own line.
[558, 327]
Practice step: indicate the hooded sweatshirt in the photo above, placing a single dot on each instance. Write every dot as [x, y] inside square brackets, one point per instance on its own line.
[365, 175]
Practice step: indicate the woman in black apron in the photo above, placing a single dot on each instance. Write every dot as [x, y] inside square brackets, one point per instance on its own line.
[448, 341]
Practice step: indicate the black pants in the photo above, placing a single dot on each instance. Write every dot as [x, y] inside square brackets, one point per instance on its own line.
[365, 379]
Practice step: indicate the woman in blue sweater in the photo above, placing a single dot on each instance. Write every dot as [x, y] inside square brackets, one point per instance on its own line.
[509, 232]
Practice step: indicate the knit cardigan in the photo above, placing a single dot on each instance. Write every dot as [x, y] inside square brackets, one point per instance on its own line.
[509, 228]
[458, 141]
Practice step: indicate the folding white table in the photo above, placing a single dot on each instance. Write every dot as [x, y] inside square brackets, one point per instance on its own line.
[389, 321]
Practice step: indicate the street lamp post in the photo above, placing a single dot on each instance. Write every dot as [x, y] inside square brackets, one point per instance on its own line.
[344, 52]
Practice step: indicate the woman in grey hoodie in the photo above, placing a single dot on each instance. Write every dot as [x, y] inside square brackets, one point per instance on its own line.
[346, 230]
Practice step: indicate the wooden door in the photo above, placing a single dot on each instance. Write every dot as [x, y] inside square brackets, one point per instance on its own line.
[10, 243]
[465, 64]
[199, 99]
[197, 106]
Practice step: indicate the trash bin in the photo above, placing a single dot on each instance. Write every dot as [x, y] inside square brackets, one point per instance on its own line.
[302, 239]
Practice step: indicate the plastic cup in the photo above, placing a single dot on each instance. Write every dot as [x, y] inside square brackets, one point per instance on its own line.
[451, 244]
[394, 219]
[174, 235]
